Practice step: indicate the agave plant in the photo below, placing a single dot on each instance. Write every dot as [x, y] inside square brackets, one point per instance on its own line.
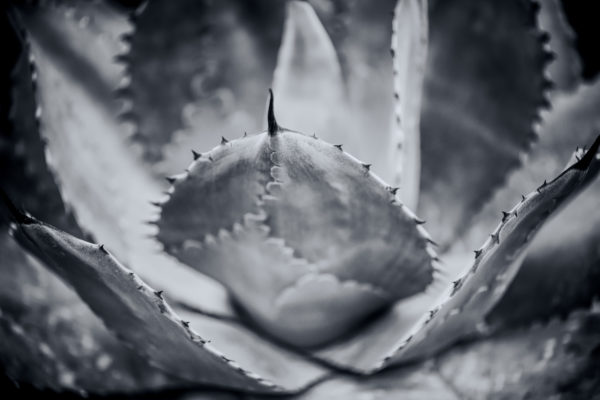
[290, 268]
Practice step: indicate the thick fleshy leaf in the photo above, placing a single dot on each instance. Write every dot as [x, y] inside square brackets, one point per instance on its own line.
[136, 313]
[23, 170]
[308, 80]
[484, 85]
[109, 190]
[409, 51]
[561, 267]
[221, 56]
[52, 340]
[463, 313]
[561, 272]
[429, 324]
[573, 120]
[252, 351]
[253, 212]
[360, 32]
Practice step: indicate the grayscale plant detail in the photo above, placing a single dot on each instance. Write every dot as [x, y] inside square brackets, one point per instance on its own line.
[336, 222]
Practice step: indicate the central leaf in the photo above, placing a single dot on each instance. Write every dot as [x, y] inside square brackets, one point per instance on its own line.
[305, 238]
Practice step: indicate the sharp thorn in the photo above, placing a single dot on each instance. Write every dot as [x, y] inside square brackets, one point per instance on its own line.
[196, 155]
[430, 241]
[505, 216]
[393, 190]
[159, 294]
[455, 286]
[223, 140]
[589, 156]
[478, 253]
[272, 126]
[171, 180]
[495, 238]
[339, 146]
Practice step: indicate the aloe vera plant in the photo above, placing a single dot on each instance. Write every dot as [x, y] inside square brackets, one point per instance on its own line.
[282, 263]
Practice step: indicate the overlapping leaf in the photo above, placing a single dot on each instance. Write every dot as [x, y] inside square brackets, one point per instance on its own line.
[135, 312]
[284, 193]
[484, 85]
[25, 174]
[430, 324]
[72, 47]
[52, 340]
[561, 266]
[409, 51]
[221, 57]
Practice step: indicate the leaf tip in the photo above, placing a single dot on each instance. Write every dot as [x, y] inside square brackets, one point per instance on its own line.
[273, 128]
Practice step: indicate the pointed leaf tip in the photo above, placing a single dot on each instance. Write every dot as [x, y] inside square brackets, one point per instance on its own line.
[588, 157]
[16, 214]
[273, 128]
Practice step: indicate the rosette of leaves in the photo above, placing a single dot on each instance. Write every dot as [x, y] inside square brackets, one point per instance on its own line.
[283, 264]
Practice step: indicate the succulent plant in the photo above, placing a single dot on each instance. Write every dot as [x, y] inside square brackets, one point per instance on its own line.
[279, 264]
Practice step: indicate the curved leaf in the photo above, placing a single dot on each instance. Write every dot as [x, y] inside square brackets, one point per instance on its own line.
[360, 32]
[572, 121]
[560, 267]
[561, 272]
[253, 212]
[24, 171]
[429, 324]
[51, 339]
[107, 187]
[409, 51]
[221, 60]
[308, 79]
[253, 351]
[484, 86]
[463, 312]
[137, 313]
